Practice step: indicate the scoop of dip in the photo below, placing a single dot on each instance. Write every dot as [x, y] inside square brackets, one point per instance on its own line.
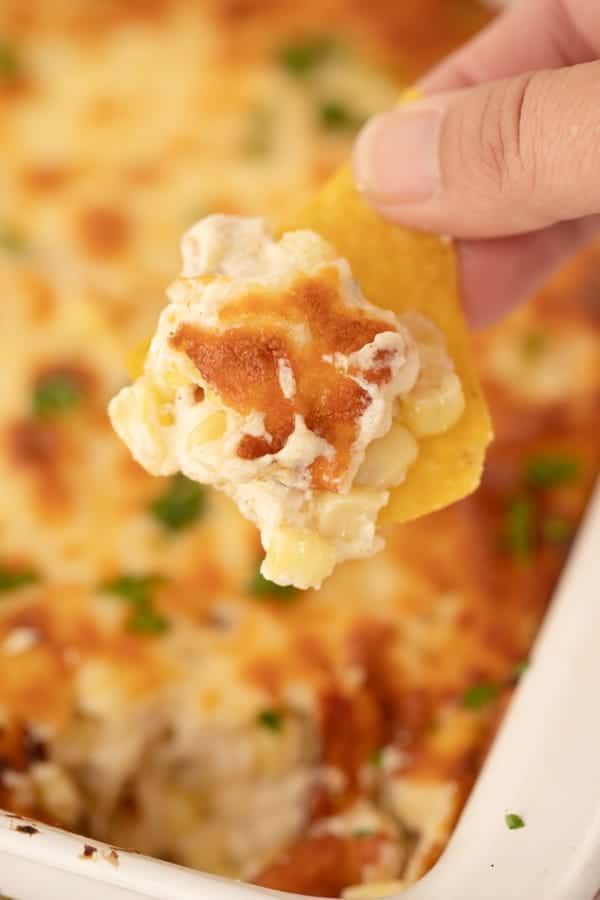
[271, 377]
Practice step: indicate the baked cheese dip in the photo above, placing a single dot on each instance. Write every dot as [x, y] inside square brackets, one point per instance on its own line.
[273, 378]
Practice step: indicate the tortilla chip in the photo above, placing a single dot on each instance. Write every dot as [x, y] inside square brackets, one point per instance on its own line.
[404, 270]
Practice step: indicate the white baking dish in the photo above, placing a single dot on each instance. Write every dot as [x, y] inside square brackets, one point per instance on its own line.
[545, 766]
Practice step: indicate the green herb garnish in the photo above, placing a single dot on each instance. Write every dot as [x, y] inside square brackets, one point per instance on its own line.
[10, 63]
[12, 240]
[519, 528]
[513, 821]
[480, 695]
[138, 592]
[271, 719]
[521, 667]
[376, 758]
[136, 589]
[183, 503]
[556, 530]
[146, 621]
[54, 394]
[12, 579]
[550, 470]
[361, 833]
[260, 586]
[303, 56]
[334, 116]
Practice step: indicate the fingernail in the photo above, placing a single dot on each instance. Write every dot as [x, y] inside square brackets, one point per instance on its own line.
[397, 156]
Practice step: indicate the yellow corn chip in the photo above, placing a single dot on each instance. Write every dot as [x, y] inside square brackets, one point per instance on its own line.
[136, 359]
[403, 270]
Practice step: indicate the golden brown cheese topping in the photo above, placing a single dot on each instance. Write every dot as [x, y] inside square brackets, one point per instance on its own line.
[243, 365]
[102, 231]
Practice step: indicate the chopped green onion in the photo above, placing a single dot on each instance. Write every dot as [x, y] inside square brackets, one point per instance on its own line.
[534, 345]
[549, 470]
[10, 63]
[183, 503]
[556, 530]
[480, 695]
[305, 55]
[260, 586]
[271, 719]
[335, 116]
[361, 833]
[57, 393]
[519, 528]
[521, 667]
[146, 621]
[137, 591]
[513, 821]
[376, 758]
[12, 579]
[12, 240]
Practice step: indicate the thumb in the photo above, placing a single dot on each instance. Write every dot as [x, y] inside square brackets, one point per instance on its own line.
[498, 159]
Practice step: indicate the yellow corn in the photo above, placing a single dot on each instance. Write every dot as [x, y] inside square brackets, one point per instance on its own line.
[297, 557]
[175, 378]
[157, 403]
[434, 405]
[211, 428]
[388, 458]
[341, 516]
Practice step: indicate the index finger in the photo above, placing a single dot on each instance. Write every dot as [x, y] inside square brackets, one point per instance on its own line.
[535, 34]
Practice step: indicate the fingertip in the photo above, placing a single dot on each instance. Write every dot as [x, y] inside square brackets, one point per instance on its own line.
[362, 154]
[397, 157]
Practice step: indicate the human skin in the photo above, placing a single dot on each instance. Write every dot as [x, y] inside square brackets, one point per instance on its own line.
[502, 152]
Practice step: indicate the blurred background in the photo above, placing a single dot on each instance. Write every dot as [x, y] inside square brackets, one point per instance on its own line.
[147, 673]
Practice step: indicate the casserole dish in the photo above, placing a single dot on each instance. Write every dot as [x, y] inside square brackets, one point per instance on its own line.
[154, 692]
[555, 857]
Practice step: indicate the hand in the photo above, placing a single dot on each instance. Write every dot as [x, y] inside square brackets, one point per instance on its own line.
[503, 151]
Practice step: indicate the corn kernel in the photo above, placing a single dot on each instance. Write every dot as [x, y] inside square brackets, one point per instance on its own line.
[432, 408]
[136, 359]
[166, 417]
[156, 403]
[388, 458]
[297, 557]
[173, 378]
[308, 249]
[179, 371]
[138, 413]
[211, 397]
[211, 428]
[342, 516]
